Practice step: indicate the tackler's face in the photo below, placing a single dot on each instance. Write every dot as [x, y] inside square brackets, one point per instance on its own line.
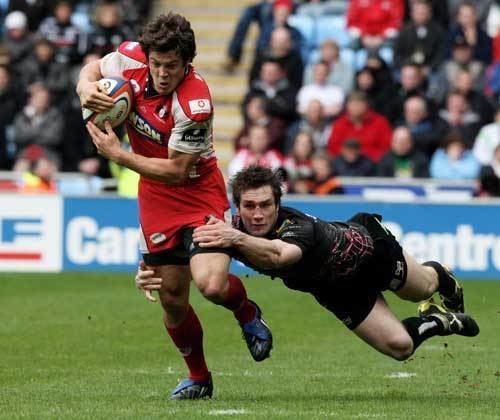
[167, 70]
[258, 210]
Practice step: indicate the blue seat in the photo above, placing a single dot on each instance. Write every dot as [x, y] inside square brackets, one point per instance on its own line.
[306, 26]
[332, 27]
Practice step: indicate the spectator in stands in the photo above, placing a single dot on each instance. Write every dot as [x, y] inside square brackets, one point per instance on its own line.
[40, 176]
[127, 179]
[340, 73]
[487, 141]
[297, 163]
[467, 26]
[351, 162]
[109, 31]
[403, 160]
[11, 101]
[275, 87]
[255, 113]
[381, 71]
[39, 123]
[453, 160]
[34, 10]
[440, 12]
[358, 121]
[489, 176]
[373, 23]
[481, 9]
[259, 13]
[477, 102]
[314, 122]
[280, 50]
[420, 41]
[462, 59]
[427, 130]
[69, 41]
[41, 67]
[17, 38]
[378, 96]
[460, 118]
[330, 96]
[412, 83]
[322, 182]
[256, 153]
[282, 9]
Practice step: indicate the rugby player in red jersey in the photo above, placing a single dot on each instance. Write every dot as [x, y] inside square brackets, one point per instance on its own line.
[170, 131]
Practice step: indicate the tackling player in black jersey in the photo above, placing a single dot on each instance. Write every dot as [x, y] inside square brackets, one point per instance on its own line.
[344, 265]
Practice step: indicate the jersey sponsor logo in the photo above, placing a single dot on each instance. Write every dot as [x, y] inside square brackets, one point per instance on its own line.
[197, 135]
[143, 127]
[157, 238]
[199, 106]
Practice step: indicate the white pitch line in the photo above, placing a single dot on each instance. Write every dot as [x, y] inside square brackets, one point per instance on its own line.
[228, 412]
[401, 375]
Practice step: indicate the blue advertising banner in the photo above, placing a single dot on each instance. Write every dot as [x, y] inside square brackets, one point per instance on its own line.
[102, 233]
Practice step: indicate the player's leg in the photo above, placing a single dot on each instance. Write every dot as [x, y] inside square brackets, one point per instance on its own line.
[423, 280]
[184, 328]
[210, 273]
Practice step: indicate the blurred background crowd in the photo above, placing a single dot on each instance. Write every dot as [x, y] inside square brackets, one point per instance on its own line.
[337, 88]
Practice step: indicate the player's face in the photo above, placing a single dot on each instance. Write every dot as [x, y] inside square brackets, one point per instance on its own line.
[167, 70]
[258, 211]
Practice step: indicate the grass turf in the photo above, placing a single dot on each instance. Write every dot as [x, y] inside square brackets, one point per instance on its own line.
[90, 346]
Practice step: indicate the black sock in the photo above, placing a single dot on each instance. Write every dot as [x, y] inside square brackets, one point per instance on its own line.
[446, 283]
[422, 328]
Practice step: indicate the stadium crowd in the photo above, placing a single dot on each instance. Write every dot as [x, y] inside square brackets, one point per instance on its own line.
[366, 88]
[337, 88]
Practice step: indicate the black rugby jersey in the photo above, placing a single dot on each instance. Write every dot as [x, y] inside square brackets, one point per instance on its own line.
[331, 251]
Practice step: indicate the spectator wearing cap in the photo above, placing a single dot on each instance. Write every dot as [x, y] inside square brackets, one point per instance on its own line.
[462, 58]
[322, 180]
[351, 162]
[467, 26]
[359, 121]
[34, 10]
[17, 38]
[39, 172]
[421, 40]
[403, 160]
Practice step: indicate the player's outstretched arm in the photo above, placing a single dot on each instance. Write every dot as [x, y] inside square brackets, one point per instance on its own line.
[264, 253]
[92, 95]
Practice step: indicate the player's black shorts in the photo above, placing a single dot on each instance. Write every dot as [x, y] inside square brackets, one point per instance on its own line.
[352, 299]
[182, 253]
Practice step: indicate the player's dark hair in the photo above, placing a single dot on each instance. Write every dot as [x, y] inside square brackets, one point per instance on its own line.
[255, 177]
[170, 32]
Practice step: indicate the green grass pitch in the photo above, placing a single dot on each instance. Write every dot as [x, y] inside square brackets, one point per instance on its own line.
[89, 346]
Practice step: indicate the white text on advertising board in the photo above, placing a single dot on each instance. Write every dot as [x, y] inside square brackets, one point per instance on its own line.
[88, 243]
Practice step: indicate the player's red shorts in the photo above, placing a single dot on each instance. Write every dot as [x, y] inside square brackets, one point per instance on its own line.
[164, 210]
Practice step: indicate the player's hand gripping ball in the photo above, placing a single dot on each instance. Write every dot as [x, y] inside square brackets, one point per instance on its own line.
[122, 94]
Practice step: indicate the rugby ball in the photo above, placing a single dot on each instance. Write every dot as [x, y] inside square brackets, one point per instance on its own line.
[123, 95]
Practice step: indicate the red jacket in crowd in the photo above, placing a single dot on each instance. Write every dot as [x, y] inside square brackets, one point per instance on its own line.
[374, 17]
[374, 134]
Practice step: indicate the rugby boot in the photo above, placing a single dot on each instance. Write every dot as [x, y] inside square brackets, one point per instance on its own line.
[453, 322]
[258, 336]
[454, 302]
[189, 389]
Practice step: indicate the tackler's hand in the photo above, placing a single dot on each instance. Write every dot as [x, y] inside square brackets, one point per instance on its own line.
[146, 281]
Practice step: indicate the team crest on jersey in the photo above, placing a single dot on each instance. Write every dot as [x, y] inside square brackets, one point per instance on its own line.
[162, 111]
[199, 106]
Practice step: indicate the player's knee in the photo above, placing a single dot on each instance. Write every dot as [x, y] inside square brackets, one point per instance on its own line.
[212, 290]
[172, 300]
[400, 347]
